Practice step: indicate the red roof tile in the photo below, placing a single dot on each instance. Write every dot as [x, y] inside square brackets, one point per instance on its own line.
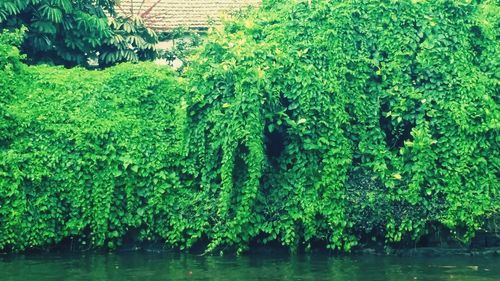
[168, 14]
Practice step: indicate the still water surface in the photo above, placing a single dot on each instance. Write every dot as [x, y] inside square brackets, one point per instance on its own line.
[167, 266]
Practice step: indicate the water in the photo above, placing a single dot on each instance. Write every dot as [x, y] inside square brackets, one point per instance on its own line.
[168, 266]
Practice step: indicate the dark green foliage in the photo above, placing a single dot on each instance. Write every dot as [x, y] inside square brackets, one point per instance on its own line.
[91, 154]
[71, 32]
[130, 41]
[338, 119]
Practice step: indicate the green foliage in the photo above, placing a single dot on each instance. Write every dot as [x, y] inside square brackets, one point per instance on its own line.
[92, 155]
[70, 32]
[300, 122]
[131, 41]
[337, 119]
[9, 52]
[185, 42]
[10, 66]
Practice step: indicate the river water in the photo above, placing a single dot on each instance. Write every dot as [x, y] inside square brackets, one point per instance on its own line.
[145, 266]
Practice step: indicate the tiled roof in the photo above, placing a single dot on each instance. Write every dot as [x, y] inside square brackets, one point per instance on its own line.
[168, 14]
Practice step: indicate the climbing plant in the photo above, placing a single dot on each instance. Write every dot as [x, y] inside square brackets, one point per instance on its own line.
[88, 157]
[337, 120]
[306, 123]
[10, 65]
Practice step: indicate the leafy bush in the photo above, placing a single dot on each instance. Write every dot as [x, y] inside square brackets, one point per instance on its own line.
[336, 119]
[10, 65]
[92, 155]
[321, 122]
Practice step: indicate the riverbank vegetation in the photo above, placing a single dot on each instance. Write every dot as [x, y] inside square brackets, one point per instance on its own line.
[327, 123]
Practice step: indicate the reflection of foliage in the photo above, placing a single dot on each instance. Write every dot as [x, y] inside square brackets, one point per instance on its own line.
[72, 32]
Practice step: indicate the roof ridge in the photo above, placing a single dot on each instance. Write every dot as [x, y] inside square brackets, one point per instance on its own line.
[166, 15]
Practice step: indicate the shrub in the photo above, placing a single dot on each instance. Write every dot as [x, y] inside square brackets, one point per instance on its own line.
[307, 118]
[92, 155]
[320, 122]
[10, 65]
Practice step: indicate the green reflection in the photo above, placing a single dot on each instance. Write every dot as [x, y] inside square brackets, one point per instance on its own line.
[169, 266]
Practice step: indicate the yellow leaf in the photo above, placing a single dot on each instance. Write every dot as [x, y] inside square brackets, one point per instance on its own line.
[249, 23]
[397, 176]
[260, 73]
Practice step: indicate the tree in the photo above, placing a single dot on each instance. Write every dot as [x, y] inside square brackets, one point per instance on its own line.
[74, 32]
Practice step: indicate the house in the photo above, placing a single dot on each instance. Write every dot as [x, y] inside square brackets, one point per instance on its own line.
[166, 15]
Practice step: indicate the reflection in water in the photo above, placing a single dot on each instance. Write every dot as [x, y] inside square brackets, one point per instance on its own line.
[168, 266]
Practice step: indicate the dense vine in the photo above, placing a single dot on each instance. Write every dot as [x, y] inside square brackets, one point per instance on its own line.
[88, 156]
[340, 119]
[301, 122]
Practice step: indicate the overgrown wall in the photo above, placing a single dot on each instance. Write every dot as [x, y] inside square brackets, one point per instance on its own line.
[348, 121]
[334, 124]
[89, 156]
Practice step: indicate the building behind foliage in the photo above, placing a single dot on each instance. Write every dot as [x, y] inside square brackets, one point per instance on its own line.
[166, 15]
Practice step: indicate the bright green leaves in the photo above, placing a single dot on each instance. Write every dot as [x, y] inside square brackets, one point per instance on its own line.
[341, 122]
[89, 154]
[361, 102]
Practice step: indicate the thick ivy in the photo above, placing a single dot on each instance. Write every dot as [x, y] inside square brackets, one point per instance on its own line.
[302, 122]
[91, 155]
[334, 120]
[10, 65]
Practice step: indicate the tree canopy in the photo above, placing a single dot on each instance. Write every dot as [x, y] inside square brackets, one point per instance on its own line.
[72, 32]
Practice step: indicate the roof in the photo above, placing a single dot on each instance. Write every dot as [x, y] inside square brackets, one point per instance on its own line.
[166, 15]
